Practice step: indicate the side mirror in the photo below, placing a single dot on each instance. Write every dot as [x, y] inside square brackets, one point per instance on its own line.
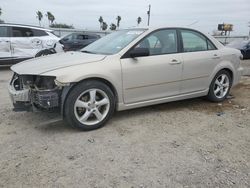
[139, 52]
[61, 41]
[64, 39]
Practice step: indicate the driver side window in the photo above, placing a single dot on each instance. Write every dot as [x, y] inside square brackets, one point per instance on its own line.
[160, 42]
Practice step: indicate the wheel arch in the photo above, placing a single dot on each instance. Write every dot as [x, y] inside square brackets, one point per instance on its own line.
[223, 65]
[229, 71]
[39, 53]
[68, 89]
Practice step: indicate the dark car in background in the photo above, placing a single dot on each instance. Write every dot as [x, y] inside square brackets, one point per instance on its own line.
[77, 41]
[243, 46]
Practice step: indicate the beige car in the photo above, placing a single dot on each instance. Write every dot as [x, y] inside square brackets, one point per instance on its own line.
[126, 69]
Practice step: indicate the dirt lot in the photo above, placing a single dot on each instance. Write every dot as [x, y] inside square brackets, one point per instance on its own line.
[192, 143]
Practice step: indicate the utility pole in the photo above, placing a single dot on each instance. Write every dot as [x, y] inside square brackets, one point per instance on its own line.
[148, 12]
[249, 30]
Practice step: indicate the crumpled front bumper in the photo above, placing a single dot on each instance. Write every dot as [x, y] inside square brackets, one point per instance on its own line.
[28, 99]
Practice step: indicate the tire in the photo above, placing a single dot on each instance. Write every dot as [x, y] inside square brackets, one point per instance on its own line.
[218, 91]
[88, 113]
[43, 53]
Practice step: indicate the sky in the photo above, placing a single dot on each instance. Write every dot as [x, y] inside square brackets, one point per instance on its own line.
[203, 15]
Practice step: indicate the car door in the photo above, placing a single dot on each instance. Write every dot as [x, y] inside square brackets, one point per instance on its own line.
[157, 75]
[23, 43]
[200, 57]
[80, 41]
[5, 50]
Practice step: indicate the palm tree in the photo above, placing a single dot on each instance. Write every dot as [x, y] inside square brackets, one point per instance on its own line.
[104, 26]
[138, 20]
[112, 27]
[39, 16]
[50, 17]
[1, 21]
[118, 21]
[101, 22]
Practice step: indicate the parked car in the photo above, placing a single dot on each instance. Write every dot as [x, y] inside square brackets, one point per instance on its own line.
[243, 46]
[71, 42]
[21, 42]
[77, 41]
[126, 69]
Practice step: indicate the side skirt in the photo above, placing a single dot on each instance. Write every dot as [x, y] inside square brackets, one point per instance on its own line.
[122, 106]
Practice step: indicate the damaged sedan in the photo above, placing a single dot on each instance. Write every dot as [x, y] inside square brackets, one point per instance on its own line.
[124, 70]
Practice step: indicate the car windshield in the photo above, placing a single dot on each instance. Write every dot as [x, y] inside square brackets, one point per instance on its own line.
[114, 42]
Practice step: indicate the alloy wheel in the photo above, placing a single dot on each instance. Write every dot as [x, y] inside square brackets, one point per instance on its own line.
[91, 107]
[221, 86]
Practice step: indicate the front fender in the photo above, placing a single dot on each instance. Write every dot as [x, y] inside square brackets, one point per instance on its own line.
[109, 71]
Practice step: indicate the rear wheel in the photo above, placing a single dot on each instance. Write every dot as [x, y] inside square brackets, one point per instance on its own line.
[89, 105]
[220, 86]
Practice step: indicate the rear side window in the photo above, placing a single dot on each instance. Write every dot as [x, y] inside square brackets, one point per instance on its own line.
[22, 32]
[39, 33]
[81, 37]
[4, 31]
[194, 41]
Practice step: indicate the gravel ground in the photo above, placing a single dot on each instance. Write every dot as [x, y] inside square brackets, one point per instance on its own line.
[191, 143]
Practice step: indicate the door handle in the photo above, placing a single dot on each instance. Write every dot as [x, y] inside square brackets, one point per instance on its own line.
[175, 62]
[216, 56]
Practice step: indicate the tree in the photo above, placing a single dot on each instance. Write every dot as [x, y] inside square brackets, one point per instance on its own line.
[50, 17]
[101, 22]
[104, 26]
[1, 21]
[112, 27]
[118, 21]
[39, 16]
[138, 20]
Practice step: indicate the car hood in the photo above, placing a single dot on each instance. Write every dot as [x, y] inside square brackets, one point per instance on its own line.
[44, 64]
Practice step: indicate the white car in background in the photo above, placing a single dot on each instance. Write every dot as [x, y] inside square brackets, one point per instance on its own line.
[21, 42]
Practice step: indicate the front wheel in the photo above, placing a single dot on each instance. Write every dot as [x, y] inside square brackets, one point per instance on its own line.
[89, 105]
[220, 86]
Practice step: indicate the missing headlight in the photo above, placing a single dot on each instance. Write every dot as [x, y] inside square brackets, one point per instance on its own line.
[45, 82]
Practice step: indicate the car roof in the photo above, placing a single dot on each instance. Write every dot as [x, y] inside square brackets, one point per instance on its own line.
[25, 26]
[160, 27]
[84, 33]
[170, 27]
